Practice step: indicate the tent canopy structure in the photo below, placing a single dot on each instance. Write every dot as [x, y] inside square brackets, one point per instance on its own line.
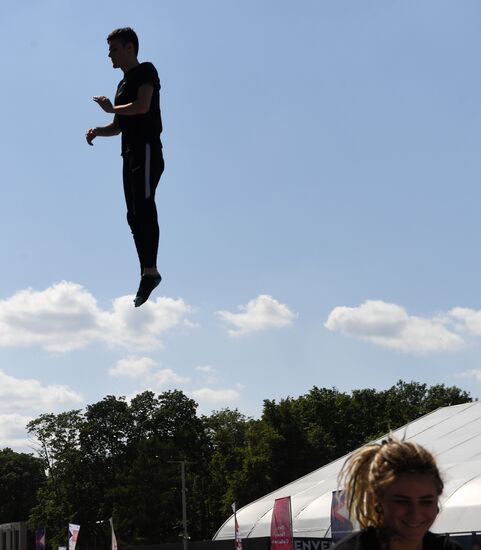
[452, 434]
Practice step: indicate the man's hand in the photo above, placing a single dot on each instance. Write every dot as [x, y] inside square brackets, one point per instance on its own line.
[91, 135]
[104, 103]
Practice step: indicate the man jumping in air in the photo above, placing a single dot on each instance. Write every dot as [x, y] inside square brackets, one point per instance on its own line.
[137, 117]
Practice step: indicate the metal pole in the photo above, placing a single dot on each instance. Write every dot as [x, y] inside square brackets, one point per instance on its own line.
[184, 505]
[235, 525]
[185, 536]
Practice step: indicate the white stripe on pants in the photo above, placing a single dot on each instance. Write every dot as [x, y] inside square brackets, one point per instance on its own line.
[147, 170]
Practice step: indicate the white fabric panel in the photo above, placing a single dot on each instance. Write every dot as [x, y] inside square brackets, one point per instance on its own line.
[452, 434]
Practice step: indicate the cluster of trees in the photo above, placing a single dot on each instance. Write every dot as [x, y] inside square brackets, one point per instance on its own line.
[118, 458]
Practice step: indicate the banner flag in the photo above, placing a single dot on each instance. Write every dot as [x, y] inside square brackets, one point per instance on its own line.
[40, 539]
[341, 524]
[281, 525]
[114, 538]
[237, 536]
[73, 530]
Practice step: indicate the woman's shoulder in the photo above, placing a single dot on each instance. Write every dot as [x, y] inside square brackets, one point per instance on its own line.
[367, 540]
[360, 540]
[439, 542]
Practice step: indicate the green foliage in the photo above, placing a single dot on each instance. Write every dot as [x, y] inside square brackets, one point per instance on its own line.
[227, 436]
[120, 458]
[296, 436]
[21, 476]
[115, 459]
[59, 448]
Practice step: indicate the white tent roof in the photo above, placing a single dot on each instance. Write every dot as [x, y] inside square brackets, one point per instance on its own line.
[452, 434]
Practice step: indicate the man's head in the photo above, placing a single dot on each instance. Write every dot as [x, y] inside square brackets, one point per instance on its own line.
[123, 48]
[125, 36]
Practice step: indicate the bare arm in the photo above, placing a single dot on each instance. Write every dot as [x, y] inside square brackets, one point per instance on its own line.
[138, 107]
[109, 130]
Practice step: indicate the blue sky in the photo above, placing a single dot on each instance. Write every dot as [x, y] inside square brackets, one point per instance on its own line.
[319, 210]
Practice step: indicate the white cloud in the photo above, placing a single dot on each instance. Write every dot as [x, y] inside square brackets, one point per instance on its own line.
[207, 369]
[148, 371]
[472, 373]
[20, 398]
[166, 377]
[29, 394]
[158, 379]
[468, 320]
[389, 325]
[261, 313]
[66, 317]
[133, 367]
[13, 433]
[208, 373]
[60, 318]
[209, 395]
[140, 328]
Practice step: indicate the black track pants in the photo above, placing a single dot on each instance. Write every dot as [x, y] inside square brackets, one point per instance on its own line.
[142, 168]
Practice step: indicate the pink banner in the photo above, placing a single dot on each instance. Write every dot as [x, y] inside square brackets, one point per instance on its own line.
[238, 539]
[114, 538]
[73, 530]
[341, 525]
[281, 525]
[40, 539]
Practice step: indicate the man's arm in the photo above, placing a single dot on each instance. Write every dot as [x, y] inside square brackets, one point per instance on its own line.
[112, 129]
[138, 107]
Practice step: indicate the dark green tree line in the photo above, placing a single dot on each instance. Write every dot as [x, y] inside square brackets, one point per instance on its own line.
[120, 459]
[21, 476]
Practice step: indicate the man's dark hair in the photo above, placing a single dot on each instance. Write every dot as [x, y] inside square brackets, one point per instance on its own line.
[124, 36]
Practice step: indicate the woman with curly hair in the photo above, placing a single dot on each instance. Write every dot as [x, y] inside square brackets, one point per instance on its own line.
[392, 489]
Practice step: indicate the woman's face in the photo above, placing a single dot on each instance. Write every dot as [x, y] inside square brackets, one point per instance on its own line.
[409, 506]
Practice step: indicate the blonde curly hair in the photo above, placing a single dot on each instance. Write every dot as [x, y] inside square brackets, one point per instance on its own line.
[370, 469]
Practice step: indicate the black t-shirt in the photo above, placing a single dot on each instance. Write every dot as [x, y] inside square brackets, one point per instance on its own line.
[139, 129]
[367, 540]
